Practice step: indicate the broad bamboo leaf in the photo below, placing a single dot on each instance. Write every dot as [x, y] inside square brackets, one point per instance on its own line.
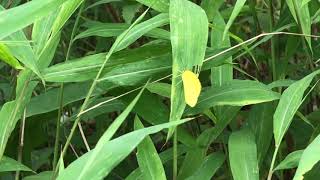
[142, 28]
[236, 10]
[165, 157]
[101, 2]
[45, 175]
[309, 158]
[235, 93]
[66, 10]
[288, 105]
[291, 161]
[300, 12]
[260, 123]
[138, 62]
[115, 29]
[196, 155]
[11, 111]
[189, 34]
[8, 164]
[209, 166]
[159, 5]
[21, 16]
[48, 101]
[149, 161]
[118, 149]
[112, 129]
[7, 57]
[224, 73]
[243, 155]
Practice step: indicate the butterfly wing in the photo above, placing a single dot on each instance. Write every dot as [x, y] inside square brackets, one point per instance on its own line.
[192, 87]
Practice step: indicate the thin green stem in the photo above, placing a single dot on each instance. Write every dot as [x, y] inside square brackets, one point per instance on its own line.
[21, 142]
[252, 5]
[273, 53]
[60, 111]
[305, 47]
[272, 162]
[93, 85]
[56, 144]
[175, 154]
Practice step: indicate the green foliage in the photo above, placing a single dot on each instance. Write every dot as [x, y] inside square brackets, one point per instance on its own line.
[93, 89]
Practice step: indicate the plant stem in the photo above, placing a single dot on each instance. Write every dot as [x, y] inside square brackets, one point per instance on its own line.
[272, 162]
[93, 85]
[273, 54]
[175, 154]
[60, 111]
[252, 4]
[21, 142]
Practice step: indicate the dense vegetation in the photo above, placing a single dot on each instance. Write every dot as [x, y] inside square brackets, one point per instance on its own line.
[94, 89]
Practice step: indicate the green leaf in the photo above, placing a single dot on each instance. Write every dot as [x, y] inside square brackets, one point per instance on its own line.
[281, 83]
[209, 166]
[48, 101]
[142, 28]
[7, 57]
[211, 7]
[118, 149]
[189, 35]
[159, 5]
[196, 155]
[8, 164]
[260, 123]
[223, 73]
[243, 155]
[66, 10]
[165, 157]
[309, 158]
[12, 111]
[41, 31]
[112, 129]
[300, 12]
[157, 115]
[101, 2]
[148, 159]
[23, 51]
[234, 93]
[236, 10]
[115, 29]
[162, 89]
[291, 161]
[140, 62]
[21, 16]
[288, 105]
[45, 175]
[129, 11]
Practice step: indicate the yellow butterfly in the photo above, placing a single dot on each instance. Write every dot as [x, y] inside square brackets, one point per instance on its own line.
[191, 86]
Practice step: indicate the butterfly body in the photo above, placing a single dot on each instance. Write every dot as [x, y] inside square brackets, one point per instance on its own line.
[192, 87]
